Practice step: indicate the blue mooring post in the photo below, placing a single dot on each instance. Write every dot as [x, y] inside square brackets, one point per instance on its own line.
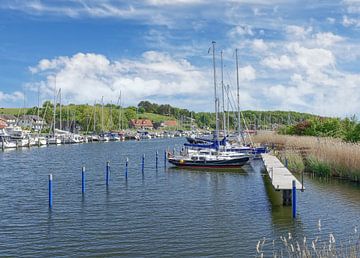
[157, 159]
[143, 164]
[294, 199]
[83, 180]
[50, 191]
[107, 173]
[126, 168]
[165, 158]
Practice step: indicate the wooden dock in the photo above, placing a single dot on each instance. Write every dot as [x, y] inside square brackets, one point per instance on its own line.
[280, 177]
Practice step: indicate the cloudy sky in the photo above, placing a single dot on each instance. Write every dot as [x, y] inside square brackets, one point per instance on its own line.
[293, 55]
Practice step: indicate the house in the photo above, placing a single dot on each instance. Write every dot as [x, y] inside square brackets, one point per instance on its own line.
[3, 123]
[32, 121]
[9, 119]
[141, 124]
[169, 123]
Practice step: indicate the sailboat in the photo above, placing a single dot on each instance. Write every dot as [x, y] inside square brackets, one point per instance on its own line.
[209, 155]
[54, 139]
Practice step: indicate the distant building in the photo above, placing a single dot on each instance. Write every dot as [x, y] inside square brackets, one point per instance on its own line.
[169, 123]
[141, 124]
[9, 119]
[3, 123]
[32, 121]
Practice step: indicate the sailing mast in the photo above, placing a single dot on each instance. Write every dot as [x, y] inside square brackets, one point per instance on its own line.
[119, 103]
[94, 116]
[223, 93]
[60, 124]
[238, 94]
[215, 97]
[54, 115]
[102, 114]
[227, 106]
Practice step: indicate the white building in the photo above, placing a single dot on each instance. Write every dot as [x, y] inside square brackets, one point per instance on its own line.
[34, 122]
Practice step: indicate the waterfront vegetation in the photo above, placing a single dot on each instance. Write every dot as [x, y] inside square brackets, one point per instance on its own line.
[84, 116]
[347, 129]
[323, 156]
[320, 246]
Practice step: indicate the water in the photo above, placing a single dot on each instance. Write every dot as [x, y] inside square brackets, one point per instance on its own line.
[170, 212]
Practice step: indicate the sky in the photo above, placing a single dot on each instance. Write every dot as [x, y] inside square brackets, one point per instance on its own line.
[293, 55]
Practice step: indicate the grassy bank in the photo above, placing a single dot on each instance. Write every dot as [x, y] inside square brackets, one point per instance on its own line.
[322, 156]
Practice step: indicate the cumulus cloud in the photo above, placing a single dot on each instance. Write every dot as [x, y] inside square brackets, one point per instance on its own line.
[281, 62]
[247, 73]
[11, 97]
[259, 45]
[85, 77]
[240, 30]
[327, 39]
[298, 31]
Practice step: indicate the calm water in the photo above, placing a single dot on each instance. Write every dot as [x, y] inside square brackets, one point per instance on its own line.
[169, 212]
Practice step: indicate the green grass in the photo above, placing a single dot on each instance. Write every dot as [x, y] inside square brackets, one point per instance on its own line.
[155, 117]
[13, 111]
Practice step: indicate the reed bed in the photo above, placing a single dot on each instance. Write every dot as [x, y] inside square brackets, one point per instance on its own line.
[320, 246]
[325, 155]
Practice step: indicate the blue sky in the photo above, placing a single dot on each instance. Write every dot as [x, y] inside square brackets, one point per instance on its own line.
[293, 55]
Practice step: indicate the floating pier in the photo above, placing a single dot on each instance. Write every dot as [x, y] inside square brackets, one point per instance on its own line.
[282, 179]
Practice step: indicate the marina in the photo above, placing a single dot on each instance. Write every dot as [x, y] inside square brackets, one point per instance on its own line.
[161, 212]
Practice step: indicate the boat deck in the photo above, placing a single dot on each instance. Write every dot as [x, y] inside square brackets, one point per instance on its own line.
[281, 177]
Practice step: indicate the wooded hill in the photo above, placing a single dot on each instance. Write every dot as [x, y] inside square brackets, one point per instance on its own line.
[115, 117]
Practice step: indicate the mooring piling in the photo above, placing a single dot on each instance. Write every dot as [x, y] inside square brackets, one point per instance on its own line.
[83, 180]
[107, 177]
[165, 158]
[294, 199]
[50, 191]
[126, 168]
[143, 164]
[157, 159]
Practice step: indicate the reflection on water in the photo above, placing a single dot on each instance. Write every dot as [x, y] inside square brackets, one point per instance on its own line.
[166, 212]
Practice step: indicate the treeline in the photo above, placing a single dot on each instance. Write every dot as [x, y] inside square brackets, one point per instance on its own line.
[114, 117]
[347, 129]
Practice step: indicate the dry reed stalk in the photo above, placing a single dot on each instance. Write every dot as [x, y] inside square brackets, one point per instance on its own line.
[343, 157]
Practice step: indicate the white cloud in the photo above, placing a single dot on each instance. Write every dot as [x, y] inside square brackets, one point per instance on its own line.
[240, 30]
[84, 78]
[327, 39]
[298, 31]
[12, 97]
[282, 62]
[331, 20]
[247, 73]
[259, 45]
[347, 22]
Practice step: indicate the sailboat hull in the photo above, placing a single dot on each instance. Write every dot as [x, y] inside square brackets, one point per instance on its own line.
[231, 163]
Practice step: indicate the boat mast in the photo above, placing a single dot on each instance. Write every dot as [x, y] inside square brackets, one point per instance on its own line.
[94, 116]
[215, 97]
[238, 94]
[102, 114]
[54, 115]
[119, 103]
[228, 108]
[60, 124]
[223, 93]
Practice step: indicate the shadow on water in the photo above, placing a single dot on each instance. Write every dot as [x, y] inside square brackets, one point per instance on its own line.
[213, 170]
[281, 215]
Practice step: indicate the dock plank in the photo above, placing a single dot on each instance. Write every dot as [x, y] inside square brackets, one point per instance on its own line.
[280, 176]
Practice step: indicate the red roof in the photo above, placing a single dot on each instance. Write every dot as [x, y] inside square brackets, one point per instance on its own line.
[170, 123]
[3, 124]
[141, 123]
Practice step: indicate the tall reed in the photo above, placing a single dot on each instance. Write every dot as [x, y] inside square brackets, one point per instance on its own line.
[343, 158]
